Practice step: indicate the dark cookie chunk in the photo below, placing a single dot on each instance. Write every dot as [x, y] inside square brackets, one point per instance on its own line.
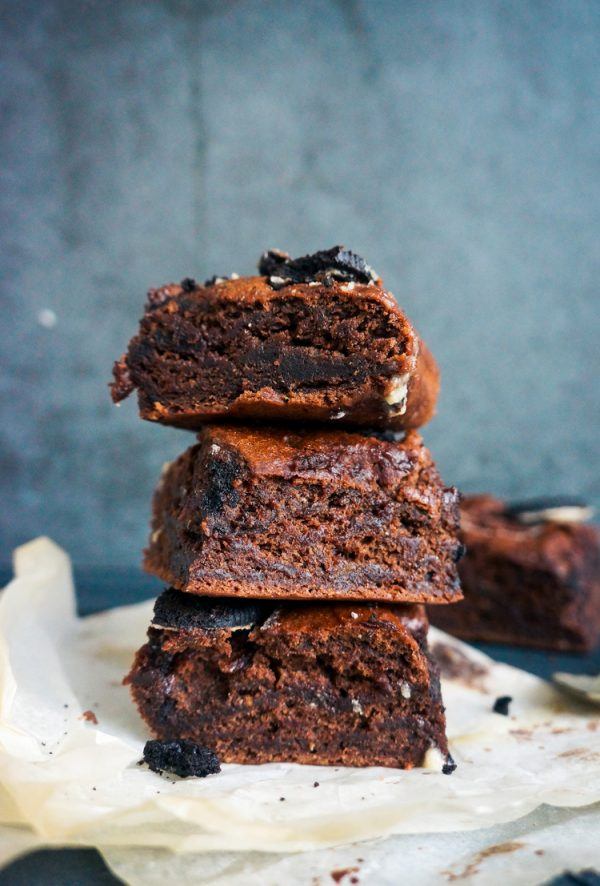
[502, 705]
[587, 877]
[324, 266]
[556, 509]
[181, 757]
[188, 284]
[449, 766]
[174, 609]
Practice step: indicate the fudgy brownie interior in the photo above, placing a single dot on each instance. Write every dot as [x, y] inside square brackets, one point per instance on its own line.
[324, 684]
[327, 348]
[259, 512]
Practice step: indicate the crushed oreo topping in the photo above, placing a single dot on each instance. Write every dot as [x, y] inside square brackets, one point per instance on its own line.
[181, 757]
[449, 766]
[174, 609]
[557, 509]
[216, 279]
[158, 297]
[502, 705]
[326, 266]
[188, 284]
[122, 385]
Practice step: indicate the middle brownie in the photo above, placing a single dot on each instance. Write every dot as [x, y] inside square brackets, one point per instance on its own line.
[262, 512]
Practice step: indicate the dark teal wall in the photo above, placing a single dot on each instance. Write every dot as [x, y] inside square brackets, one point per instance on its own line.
[454, 144]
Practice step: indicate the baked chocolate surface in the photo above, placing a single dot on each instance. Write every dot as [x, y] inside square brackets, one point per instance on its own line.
[333, 684]
[528, 578]
[268, 513]
[313, 339]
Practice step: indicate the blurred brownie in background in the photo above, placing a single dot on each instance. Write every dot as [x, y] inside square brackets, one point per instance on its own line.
[530, 575]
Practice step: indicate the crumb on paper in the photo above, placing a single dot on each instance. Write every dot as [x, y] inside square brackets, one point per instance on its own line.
[473, 867]
[90, 717]
[502, 705]
[338, 875]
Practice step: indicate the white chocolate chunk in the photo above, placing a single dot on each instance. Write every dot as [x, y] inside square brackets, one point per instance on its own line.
[397, 393]
[434, 760]
[562, 514]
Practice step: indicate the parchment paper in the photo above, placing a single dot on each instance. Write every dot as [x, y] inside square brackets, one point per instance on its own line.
[73, 781]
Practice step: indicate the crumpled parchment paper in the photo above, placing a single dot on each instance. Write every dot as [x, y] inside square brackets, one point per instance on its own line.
[70, 741]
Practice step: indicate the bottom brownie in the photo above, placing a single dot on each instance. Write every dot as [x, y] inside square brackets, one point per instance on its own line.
[530, 575]
[335, 684]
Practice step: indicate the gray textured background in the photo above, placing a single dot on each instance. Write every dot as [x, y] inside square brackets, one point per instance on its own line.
[454, 144]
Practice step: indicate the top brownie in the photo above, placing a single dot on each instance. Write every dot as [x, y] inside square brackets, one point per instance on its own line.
[311, 339]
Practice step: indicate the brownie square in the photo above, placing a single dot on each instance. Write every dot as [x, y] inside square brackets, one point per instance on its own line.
[313, 339]
[261, 512]
[332, 684]
[529, 577]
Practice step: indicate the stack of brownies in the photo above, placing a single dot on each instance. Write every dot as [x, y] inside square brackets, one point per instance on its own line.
[305, 530]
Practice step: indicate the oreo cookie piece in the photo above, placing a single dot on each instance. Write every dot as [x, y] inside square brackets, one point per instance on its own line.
[449, 765]
[325, 266]
[502, 705]
[181, 757]
[175, 609]
[587, 877]
[188, 284]
[556, 509]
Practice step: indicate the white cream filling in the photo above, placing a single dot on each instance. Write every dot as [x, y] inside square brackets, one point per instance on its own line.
[563, 514]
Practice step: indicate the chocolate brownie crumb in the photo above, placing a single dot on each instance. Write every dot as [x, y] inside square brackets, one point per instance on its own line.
[122, 385]
[502, 705]
[449, 766]
[188, 284]
[181, 757]
[324, 266]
